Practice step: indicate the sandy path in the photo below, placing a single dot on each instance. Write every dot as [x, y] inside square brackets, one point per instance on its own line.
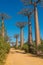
[17, 57]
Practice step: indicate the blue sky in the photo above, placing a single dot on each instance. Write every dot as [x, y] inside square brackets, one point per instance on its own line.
[12, 7]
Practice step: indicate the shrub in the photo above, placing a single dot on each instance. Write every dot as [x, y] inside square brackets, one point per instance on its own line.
[25, 47]
[40, 47]
[19, 47]
[4, 49]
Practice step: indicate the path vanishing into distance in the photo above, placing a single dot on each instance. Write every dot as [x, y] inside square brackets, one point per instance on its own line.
[18, 57]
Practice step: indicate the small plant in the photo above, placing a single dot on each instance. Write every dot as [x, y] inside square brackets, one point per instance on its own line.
[40, 48]
[25, 47]
[4, 49]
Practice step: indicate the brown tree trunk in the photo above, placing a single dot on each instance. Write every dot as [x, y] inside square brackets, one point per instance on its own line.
[2, 29]
[21, 37]
[37, 32]
[16, 42]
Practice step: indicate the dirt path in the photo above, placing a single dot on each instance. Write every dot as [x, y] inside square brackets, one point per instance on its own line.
[17, 57]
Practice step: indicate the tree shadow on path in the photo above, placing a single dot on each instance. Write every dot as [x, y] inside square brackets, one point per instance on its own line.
[37, 56]
[20, 52]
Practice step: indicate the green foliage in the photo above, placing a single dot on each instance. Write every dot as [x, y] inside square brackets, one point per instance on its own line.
[4, 49]
[40, 47]
[25, 47]
[16, 47]
[19, 47]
